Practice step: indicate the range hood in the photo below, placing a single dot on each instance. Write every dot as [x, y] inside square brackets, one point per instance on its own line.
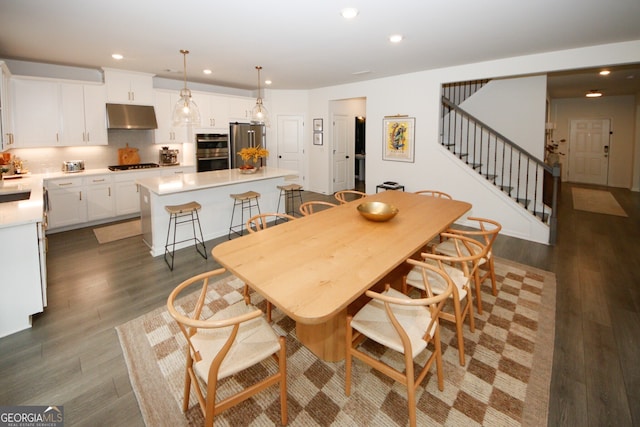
[127, 116]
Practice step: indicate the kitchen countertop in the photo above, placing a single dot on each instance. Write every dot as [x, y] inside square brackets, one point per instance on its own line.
[197, 181]
[22, 211]
[31, 210]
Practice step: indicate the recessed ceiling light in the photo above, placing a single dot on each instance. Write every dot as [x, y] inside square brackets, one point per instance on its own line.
[593, 93]
[396, 38]
[605, 72]
[117, 56]
[349, 12]
[207, 71]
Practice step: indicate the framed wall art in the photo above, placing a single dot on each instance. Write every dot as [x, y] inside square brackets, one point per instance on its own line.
[317, 138]
[317, 125]
[398, 137]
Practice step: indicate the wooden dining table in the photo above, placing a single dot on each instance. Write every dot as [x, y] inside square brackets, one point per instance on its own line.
[313, 267]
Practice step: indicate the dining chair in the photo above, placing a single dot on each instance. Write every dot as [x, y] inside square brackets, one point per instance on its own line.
[402, 324]
[461, 269]
[434, 193]
[486, 233]
[261, 222]
[345, 196]
[313, 206]
[233, 339]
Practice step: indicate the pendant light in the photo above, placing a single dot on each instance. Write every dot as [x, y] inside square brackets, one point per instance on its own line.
[186, 111]
[259, 114]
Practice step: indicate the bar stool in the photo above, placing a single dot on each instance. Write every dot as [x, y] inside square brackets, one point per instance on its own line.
[245, 201]
[181, 214]
[290, 193]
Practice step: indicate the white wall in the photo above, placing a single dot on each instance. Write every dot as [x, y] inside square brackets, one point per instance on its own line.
[418, 95]
[621, 111]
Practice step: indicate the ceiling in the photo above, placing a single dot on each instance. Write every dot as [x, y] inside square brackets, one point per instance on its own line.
[307, 44]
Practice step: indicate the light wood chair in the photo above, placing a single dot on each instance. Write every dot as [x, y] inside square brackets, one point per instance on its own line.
[260, 222]
[233, 339]
[404, 325]
[487, 233]
[313, 206]
[434, 193]
[469, 252]
[346, 196]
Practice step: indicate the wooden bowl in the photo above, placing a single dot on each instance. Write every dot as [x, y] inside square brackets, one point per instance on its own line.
[377, 211]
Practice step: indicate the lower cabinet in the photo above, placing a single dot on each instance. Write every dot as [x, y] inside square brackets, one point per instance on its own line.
[100, 198]
[67, 202]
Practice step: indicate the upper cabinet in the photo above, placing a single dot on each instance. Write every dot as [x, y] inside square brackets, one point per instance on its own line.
[36, 112]
[167, 133]
[83, 114]
[240, 108]
[128, 87]
[50, 113]
[213, 110]
[6, 127]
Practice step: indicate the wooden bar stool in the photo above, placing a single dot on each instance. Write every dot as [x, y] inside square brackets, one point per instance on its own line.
[181, 214]
[290, 193]
[245, 201]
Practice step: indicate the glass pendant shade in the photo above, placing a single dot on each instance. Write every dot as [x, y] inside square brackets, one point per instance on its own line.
[259, 114]
[185, 112]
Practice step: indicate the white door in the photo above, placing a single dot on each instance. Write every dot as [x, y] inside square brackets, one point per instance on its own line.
[341, 162]
[589, 151]
[290, 144]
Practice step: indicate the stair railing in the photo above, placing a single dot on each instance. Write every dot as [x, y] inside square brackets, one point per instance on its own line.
[502, 162]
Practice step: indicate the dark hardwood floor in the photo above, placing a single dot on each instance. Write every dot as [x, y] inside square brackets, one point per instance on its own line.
[72, 356]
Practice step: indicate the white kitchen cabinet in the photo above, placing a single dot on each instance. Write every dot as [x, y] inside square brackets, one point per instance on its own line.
[23, 276]
[67, 202]
[100, 197]
[167, 133]
[128, 87]
[36, 112]
[240, 108]
[83, 114]
[213, 111]
[6, 125]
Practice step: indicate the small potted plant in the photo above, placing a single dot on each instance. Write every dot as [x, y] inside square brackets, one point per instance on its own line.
[251, 157]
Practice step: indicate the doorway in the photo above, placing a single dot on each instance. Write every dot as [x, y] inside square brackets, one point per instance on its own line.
[589, 151]
[360, 157]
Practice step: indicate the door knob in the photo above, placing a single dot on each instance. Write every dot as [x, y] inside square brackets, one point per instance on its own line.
[346, 157]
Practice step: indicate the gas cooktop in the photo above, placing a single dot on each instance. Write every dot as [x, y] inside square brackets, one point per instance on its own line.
[136, 166]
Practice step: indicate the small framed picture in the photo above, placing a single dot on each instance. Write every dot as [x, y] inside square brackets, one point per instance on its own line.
[317, 138]
[317, 125]
[398, 138]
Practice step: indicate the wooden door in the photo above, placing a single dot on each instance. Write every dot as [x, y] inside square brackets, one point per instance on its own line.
[589, 151]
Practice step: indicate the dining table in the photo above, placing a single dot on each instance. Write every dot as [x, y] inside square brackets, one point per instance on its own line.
[312, 268]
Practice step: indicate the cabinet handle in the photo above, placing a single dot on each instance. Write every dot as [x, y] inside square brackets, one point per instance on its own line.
[109, 191]
[80, 192]
[88, 139]
[57, 138]
[98, 180]
[137, 188]
[62, 184]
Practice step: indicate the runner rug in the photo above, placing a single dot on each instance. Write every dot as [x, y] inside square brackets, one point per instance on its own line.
[505, 381]
[597, 201]
[111, 233]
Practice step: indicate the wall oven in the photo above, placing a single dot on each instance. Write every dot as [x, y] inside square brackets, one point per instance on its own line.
[212, 152]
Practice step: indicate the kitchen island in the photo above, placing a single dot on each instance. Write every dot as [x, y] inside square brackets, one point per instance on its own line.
[212, 190]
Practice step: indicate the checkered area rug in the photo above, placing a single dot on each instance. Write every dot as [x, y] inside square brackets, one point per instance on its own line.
[505, 381]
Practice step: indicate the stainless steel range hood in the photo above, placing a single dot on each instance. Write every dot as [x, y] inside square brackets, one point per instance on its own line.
[127, 116]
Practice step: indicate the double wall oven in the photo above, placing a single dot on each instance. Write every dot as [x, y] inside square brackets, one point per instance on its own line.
[212, 152]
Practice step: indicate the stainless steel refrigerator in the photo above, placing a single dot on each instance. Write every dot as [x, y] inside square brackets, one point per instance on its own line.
[243, 135]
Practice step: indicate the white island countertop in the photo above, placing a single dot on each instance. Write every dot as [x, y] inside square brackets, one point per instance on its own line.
[197, 181]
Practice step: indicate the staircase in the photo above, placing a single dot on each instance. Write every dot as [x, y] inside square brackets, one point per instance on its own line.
[511, 169]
